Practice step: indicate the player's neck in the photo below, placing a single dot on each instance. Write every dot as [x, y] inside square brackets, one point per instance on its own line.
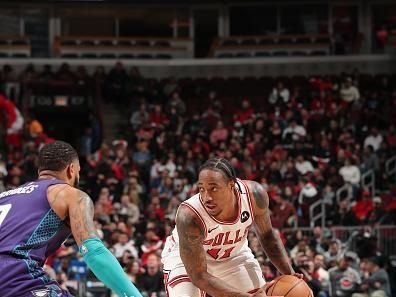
[47, 174]
[230, 211]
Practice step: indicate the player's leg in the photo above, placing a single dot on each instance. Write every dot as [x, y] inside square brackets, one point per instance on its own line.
[183, 289]
[247, 275]
[178, 284]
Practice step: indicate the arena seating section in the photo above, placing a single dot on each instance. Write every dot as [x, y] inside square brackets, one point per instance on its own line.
[14, 47]
[108, 47]
[267, 46]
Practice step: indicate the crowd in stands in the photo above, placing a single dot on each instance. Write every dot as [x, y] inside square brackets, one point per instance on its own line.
[301, 138]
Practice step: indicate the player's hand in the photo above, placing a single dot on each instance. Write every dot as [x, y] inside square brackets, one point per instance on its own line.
[299, 275]
[261, 293]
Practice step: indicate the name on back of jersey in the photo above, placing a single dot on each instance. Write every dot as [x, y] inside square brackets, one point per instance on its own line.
[29, 188]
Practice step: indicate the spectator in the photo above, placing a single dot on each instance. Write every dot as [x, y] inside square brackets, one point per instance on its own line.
[344, 280]
[303, 166]
[363, 207]
[378, 214]
[350, 172]
[294, 132]
[321, 274]
[374, 139]
[125, 244]
[151, 282]
[349, 93]
[377, 284]
[344, 216]
[219, 133]
[334, 252]
[129, 210]
[283, 213]
[140, 117]
[133, 271]
[280, 94]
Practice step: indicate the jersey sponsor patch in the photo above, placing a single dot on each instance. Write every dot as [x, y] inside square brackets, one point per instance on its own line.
[40, 293]
[245, 216]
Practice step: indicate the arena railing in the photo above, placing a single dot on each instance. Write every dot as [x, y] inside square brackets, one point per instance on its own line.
[368, 181]
[344, 192]
[316, 216]
[390, 167]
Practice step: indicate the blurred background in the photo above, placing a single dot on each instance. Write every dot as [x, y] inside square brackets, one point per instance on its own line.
[298, 95]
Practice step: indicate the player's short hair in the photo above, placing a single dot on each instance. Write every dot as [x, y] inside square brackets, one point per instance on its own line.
[222, 165]
[56, 156]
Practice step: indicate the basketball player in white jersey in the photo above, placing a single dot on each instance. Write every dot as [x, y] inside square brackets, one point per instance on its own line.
[208, 250]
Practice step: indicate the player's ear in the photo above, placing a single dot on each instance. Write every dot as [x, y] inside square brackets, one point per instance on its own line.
[70, 170]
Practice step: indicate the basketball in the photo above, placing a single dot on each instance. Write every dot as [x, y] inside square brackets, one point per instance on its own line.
[289, 286]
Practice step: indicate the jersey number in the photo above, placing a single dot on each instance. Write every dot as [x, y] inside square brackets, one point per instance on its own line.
[215, 253]
[4, 209]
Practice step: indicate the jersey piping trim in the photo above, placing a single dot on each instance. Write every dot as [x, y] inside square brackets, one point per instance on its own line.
[249, 199]
[198, 215]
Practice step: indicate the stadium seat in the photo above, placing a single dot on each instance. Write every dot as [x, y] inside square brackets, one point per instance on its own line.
[106, 43]
[68, 42]
[141, 43]
[89, 55]
[225, 55]
[124, 43]
[262, 54]
[162, 43]
[318, 53]
[69, 56]
[266, 41]
[107, 56]
[19, 42]
[144, 56]
[322, 40]
[230, 42]
[280, 53]
[303, 40]
[243, 55]
[285, 40]
[126, 56]
[163, 56]
[20, 55]
[249, 42]
[87, 42]
[299, 53]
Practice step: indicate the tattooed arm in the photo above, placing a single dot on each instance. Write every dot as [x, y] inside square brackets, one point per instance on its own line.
[268, 237]
[75, 206]
[191, 235]
[81, 213]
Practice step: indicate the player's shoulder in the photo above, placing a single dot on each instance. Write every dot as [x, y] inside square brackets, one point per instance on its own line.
[66, 193]
[258, 193]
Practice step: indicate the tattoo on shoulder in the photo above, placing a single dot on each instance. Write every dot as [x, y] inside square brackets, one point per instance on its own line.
[188, 227]
[259, 195]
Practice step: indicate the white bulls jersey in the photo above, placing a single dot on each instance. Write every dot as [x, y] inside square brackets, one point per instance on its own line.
[225, 243]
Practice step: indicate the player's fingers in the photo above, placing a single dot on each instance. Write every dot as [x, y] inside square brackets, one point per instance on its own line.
[268, 285]
[299, 275]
